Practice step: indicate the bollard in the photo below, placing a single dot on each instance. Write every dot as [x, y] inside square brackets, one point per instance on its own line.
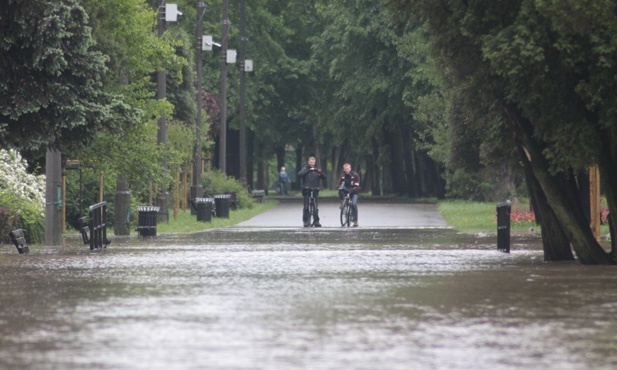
[503, 226]
[146, 220]
[204, 209]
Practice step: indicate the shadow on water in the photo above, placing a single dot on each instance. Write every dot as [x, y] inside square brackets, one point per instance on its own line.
[328, 298]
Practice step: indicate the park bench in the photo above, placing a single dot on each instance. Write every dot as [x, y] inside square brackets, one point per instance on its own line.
[259, 195]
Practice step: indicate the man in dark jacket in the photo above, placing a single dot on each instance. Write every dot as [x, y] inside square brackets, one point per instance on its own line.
[310, 176]
[350, 183]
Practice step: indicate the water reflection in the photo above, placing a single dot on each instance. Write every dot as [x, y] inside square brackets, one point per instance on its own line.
[291, 298]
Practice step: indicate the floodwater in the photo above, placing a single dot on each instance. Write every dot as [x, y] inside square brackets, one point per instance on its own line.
[293, 298]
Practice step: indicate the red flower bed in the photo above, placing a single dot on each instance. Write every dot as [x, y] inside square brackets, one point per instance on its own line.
[604, 216]
[516, 215]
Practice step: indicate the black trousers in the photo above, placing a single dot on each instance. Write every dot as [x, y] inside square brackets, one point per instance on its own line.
[305, 214]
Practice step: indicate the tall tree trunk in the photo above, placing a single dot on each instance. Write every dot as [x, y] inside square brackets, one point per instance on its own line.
[299, 164]
[608, 176]
[316, 145]
[250, 161]
[122, 205]
[375, 170]
[261, 180]
[555, 242]
[280, 157]
[335, 164]
[398, 175]
[564, 202]
[412, 175]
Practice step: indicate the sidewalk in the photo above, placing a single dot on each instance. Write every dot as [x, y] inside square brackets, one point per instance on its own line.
[370, 215]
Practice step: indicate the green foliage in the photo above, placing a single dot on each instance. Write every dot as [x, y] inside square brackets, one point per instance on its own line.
[51, 89]
[22, 198]
[464, 184]
[20, 213]
[215, 183]
[472, 217]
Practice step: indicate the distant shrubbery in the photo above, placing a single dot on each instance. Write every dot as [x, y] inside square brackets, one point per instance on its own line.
[216, 182]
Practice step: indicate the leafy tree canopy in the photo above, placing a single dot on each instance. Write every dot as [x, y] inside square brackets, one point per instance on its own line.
[51, 91]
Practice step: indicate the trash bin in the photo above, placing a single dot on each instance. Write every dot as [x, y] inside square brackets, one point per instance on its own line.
[204, 209]
[146, 220]
[221, 203]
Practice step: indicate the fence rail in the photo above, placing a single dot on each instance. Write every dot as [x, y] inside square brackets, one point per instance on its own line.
[98, 226]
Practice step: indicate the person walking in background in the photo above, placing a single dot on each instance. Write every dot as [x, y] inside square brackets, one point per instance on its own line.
[310, 176]
[350, 183]
[283, 180]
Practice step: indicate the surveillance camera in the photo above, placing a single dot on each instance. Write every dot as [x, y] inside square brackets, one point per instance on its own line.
[180, 14]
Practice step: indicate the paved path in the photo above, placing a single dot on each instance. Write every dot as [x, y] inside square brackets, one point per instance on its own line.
[371, 215]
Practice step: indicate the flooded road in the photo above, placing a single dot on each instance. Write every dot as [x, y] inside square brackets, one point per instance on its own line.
[294, 298]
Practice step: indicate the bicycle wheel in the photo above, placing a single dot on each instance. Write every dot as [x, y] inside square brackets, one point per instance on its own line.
[345, 213]
[311, 210]
[348, 213]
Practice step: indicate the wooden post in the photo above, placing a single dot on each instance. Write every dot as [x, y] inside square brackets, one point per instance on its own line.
[101, 187]
[594, 201]
[63, 202]
[176, 191]
[184, 189]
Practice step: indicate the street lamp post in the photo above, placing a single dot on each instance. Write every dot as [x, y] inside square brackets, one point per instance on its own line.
[223, 126]
[197, 187]
[166, 13]
[242, 93]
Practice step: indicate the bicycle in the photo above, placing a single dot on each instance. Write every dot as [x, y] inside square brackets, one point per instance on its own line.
[346, 211]
[312, 206]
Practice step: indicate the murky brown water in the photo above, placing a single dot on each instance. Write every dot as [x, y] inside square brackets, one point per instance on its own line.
[305, 299]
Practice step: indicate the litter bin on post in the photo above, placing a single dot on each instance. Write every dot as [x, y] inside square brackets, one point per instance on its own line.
[146, 220]
[221, 203]
[204, 209]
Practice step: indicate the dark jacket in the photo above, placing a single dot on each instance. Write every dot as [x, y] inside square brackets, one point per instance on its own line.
[310, 177]
[351, 181]
[283, 177]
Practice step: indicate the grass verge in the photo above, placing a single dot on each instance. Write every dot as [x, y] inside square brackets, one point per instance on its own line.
[187, 223]
[473, 217]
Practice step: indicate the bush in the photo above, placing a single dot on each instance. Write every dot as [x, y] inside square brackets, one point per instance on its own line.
[20, 213]
[22, 198]
[216, 182]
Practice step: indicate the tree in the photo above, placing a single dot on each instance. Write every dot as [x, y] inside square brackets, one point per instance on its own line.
[51, 90]
[530, 69]
[370, 113]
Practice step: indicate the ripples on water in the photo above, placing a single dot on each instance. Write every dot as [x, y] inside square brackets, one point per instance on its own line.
[298, 299]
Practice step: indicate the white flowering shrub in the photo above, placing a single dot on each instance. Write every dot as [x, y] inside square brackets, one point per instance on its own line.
[15, 179]
[22, 198]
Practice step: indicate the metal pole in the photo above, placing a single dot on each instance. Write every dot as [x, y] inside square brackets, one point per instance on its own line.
[223, 134]
[161, 78]
[197, 188]
[242, 92]
[161, 199]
